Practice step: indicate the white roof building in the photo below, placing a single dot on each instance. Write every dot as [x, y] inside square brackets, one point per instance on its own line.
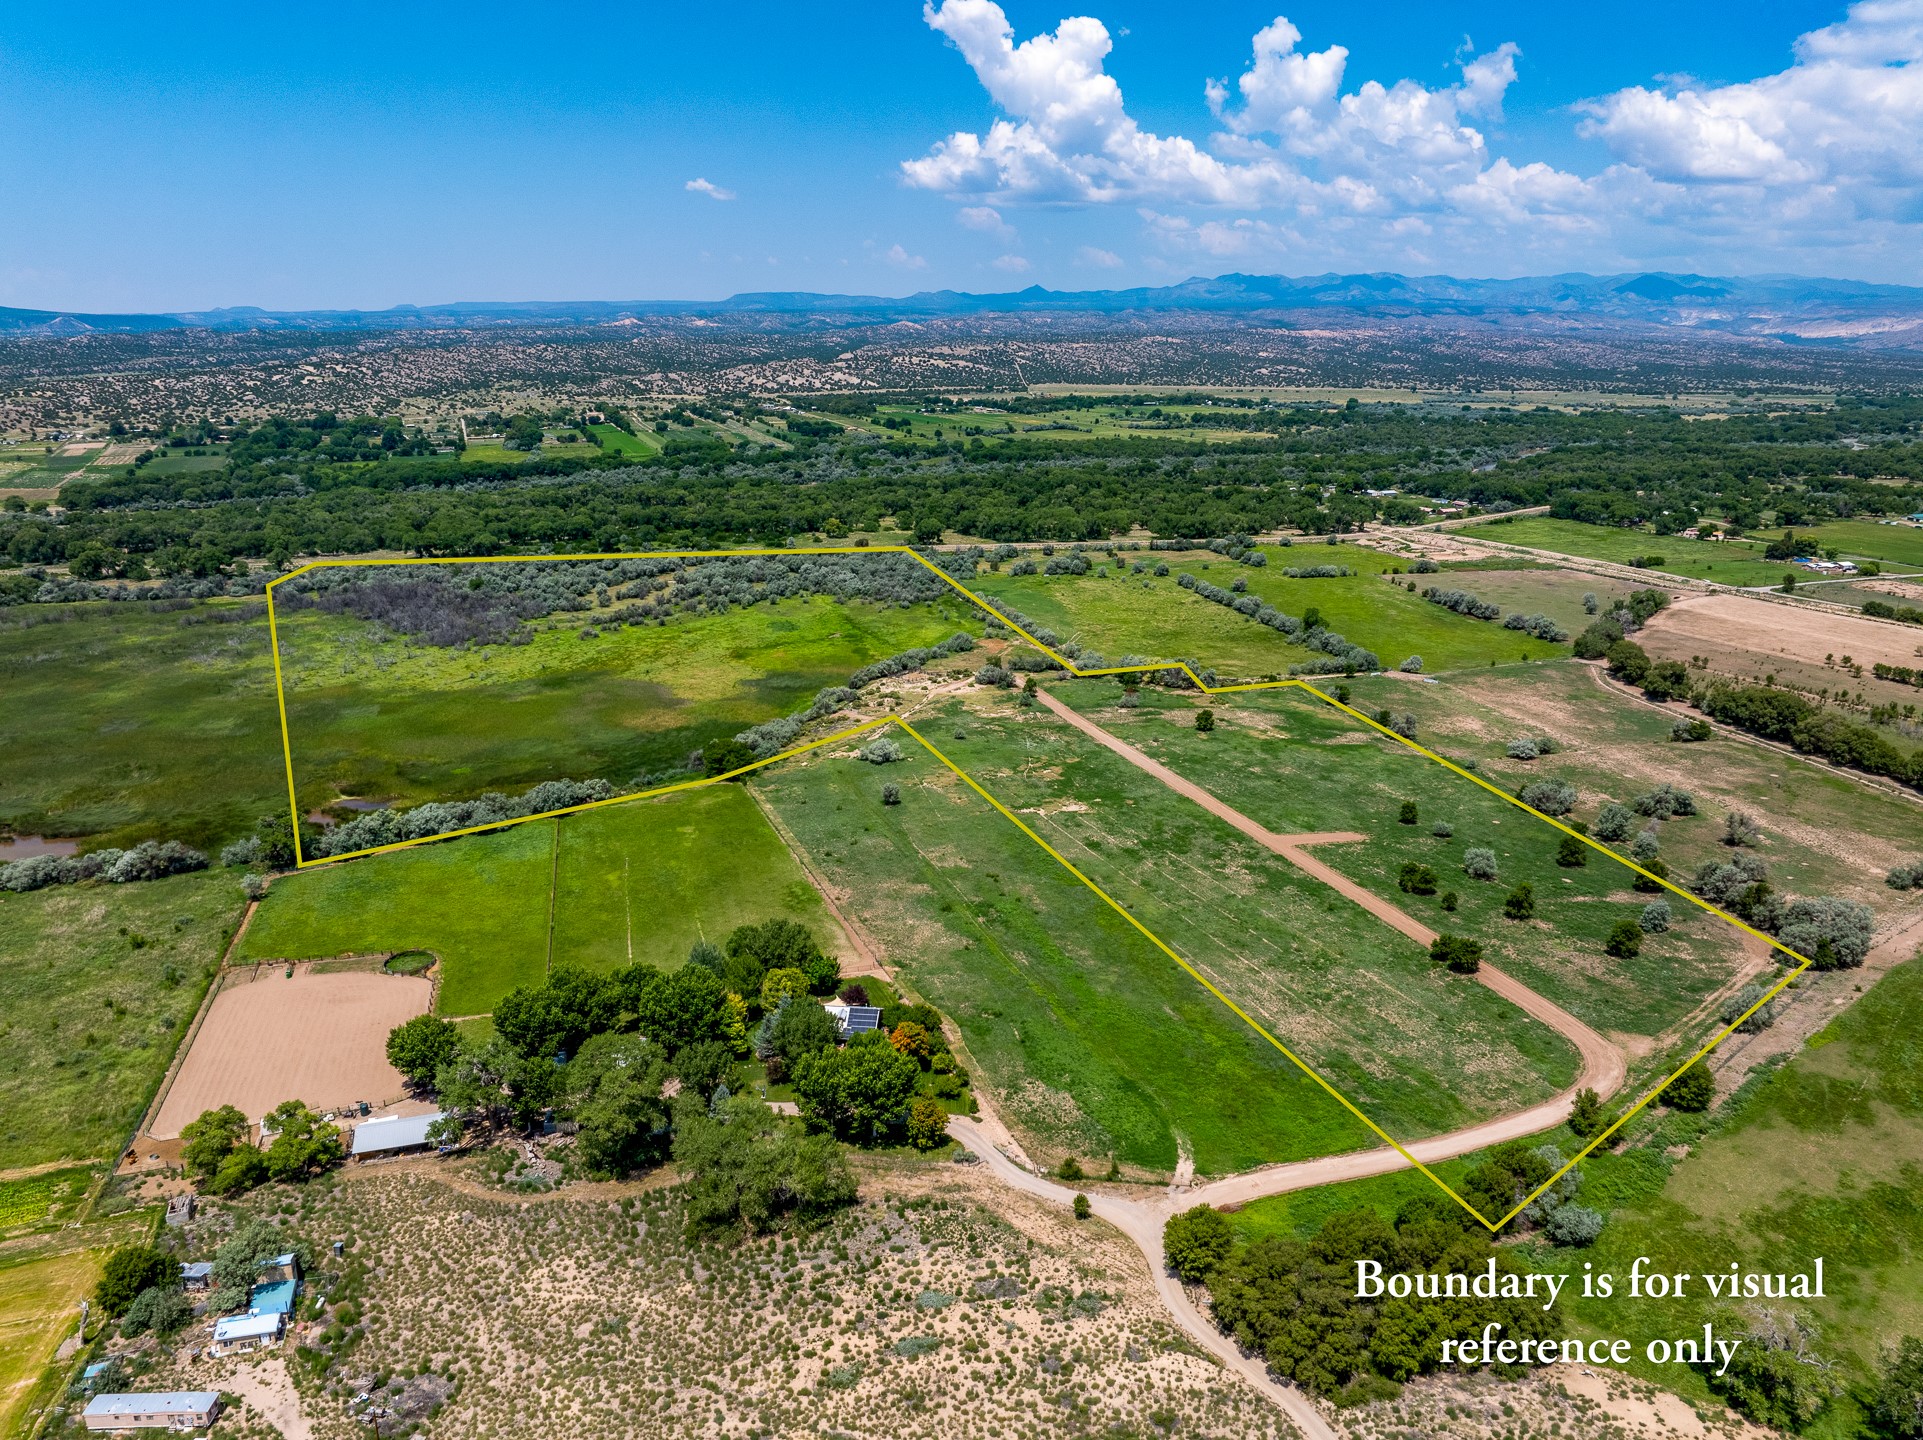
[854, 1019]
[248, 1332]
[152, 1410]
[394, 1132]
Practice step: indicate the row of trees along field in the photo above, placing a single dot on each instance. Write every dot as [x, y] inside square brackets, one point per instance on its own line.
[277, 497]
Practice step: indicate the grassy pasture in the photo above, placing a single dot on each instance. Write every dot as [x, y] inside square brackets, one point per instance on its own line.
[1732, 562]
[1296, 764]
[89, 1019]
[39, 1304]
[1156, 618]
[1895, 545]
[375, 716]
[616, 441]
[648, 879]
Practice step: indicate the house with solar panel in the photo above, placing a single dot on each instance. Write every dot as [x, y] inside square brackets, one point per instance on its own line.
[852, 1020]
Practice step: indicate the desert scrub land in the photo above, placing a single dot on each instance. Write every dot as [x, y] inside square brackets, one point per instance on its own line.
[595, 890]
[939, 1306]
[1096, 1043]
[372, 714]
[97, 986]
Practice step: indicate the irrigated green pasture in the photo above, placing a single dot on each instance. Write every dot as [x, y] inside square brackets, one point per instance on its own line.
[97, 986]
[1733, 562]
[1126, 613]
[641, 881]
[1071, 1011]
[374, 716]
[616, 441]
[1297, 764]
[1895, 545]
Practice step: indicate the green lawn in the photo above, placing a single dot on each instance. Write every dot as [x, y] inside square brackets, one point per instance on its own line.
[97, 986]
[394, 720]
[1155, 618]
[648, 879]
[1733, 562]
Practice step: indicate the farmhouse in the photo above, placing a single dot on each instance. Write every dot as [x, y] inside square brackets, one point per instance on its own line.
[853, 1019]
[237, 1334]
[152, 1410]
[392, 1135]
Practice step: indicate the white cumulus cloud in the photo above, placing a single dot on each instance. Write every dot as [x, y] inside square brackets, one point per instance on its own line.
[701, 186]
[1013, 264]
[1099, 258]
[1819, 161]
[985, 218]
[895, 255]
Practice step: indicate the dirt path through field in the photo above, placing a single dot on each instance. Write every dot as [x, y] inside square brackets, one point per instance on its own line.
[1603, 1066]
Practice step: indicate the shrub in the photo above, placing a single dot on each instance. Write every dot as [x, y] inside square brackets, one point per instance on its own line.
[1458, 952]
[129, 1270]
[1418, 880]
[1898, 1406]
[1645, 847]
[927, 1123]
[1204, 720]
[1645, 883]
[1625, 940]
[891, 794]
[1550, 797]
[1575, 1225]
[1905, 877]
[1082, 1208]
[1521, 902]
[1690, 731]
[1740, 1002]
[1411, 666]
[1479, 862]
[1692, 1090]
[1442, 830]
[881, 752]
[1664, 801]
[1571, 854]
[162, 1309]
[1587, 1119]
[1845, 926]
[1450, 901]
[1740, 829]
[1655, 918]
[1197, 1242]
[1524, 749]
[1615, 822]
[994, 675]
[1407, 815]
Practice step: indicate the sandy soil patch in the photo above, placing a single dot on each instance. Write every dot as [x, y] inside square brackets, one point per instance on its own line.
[1787, 632]
[321, 1038]
[1903, 589]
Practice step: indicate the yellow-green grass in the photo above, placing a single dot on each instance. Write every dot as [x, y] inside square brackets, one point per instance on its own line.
[1896, 546]
[616, 441]
[1156, 618]
[43, 1198]
[39, 1307]
[494, 454]
[385, 718]
[97, 986]
[653, 875]
[1732, 562]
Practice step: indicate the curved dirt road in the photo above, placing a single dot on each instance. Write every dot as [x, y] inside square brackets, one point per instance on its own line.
[1603, 1068]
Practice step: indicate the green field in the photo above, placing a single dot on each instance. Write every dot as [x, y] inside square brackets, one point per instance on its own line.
[1155, 618]
[43, 1199]
[1297, 764]
[127, 722]
[39, 1305]
[1897, 546]
[1732, 562]
[1063, 1005]
[375, 717]
[89, 1019]
[1822, 1157]
[644, 880]
[616, 441]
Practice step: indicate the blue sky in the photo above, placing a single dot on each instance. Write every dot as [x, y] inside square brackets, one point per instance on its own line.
[189, 156]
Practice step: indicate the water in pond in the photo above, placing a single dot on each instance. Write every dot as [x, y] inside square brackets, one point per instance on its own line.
[21, 847]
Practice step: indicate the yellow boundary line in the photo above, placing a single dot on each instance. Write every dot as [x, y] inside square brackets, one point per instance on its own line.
[302, 863]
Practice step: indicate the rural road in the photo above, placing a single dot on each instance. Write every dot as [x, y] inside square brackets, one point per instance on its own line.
[1603, 1068]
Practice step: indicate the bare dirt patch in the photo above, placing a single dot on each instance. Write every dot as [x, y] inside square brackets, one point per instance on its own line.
[1773, 633]
[321, 1038]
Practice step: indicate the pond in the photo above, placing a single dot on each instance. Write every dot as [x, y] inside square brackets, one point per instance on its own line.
[23, 847]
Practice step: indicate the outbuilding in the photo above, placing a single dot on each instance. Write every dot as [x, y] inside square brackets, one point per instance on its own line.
[197, 1275]
[392, 1135]
[152, 1410]
[854, 1019]
[237, 1334]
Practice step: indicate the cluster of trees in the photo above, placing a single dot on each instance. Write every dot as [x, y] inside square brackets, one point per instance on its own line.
[388, 827]
[1785, 716]
[149, 860]
[1294, 1300]
[219, 1154]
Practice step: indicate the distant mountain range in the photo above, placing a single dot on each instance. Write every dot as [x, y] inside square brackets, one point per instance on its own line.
[1789, 308]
